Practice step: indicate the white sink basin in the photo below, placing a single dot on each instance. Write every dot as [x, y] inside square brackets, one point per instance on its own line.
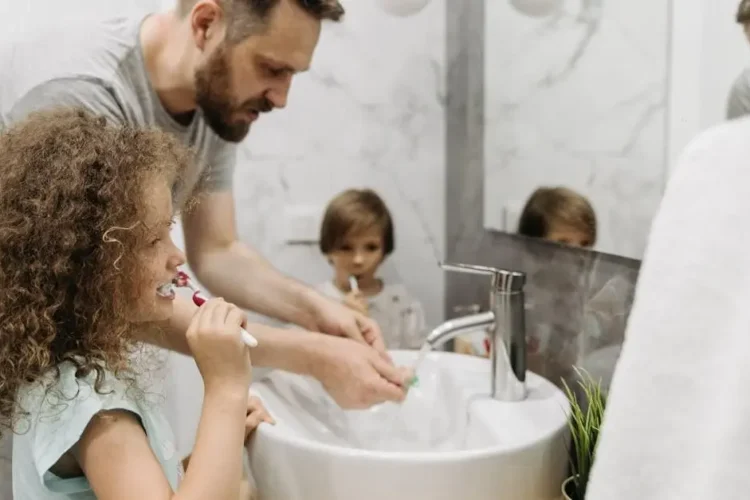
[447, 441]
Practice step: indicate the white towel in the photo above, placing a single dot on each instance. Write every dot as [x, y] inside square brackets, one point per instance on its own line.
[677, 425]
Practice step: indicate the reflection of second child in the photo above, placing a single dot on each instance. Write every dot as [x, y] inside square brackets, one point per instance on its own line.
[561, 215]
[356, 236]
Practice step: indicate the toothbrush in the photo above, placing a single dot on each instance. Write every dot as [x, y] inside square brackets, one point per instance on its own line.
[353, 284]
[183, 280]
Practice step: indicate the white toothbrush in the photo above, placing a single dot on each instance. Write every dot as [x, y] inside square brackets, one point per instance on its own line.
[353, 284]
[199, 300]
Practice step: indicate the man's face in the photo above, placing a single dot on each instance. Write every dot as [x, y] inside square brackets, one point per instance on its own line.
[238, 82]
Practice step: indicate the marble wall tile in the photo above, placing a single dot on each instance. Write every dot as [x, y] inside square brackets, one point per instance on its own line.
[577, 301]
[369, 113]
[578, 98]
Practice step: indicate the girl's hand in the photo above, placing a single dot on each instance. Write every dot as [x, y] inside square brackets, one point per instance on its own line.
[215, 341]
[256, 413]
[357, 301]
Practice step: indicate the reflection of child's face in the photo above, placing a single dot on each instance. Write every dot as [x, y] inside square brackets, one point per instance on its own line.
[360, 255]
[569, 236]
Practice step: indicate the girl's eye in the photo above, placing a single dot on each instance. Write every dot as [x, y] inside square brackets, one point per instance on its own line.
[372, 248]
[155, 242]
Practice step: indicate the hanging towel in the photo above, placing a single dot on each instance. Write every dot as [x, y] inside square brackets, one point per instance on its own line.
[677, 423]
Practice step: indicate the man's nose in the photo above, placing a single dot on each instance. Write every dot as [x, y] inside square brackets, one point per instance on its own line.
[279, 93]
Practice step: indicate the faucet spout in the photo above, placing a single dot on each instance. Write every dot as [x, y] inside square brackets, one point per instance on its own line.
[507, 333]
[458, 326]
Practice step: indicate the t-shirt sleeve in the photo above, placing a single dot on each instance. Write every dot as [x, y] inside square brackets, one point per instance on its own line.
[219, 173]
[89, 94]
[61, 414]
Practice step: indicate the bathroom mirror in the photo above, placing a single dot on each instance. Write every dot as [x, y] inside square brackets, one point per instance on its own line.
[575, 98]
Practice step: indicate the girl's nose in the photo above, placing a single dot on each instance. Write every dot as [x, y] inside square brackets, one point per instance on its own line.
[177, 258]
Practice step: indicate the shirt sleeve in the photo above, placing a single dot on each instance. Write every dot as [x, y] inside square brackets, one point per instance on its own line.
[89, 94]
[60, 414]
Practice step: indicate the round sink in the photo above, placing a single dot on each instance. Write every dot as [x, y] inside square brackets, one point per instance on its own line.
[448, 440]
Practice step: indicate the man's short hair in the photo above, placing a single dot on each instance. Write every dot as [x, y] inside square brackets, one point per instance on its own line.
[248, 17]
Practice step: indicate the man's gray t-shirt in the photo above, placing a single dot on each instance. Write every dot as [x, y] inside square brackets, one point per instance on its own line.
[99, 66]
[738, 103]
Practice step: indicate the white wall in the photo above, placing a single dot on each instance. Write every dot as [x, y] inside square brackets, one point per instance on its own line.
[708, 51]
[578, 99]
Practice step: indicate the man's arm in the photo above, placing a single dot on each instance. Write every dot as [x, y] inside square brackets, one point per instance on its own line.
[278, 348]
[355, 375]
[236, 272]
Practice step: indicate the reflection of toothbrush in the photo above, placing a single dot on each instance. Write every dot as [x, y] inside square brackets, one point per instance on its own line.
[353, 284]
[183, 280]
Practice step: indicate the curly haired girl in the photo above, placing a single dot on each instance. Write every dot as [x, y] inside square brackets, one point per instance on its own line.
[86, 266]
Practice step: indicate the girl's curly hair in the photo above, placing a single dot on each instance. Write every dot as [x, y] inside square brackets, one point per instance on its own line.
[71, 228]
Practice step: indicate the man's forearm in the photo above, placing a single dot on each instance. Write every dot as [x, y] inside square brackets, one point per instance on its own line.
[242, 276]
[285, 349]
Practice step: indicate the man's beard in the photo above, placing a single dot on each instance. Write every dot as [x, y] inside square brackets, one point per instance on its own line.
[212, 96]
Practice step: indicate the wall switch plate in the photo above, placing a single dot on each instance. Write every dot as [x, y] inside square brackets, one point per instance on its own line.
[302, 224]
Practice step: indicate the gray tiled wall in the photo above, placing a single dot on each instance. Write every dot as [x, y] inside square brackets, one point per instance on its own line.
[577, 301]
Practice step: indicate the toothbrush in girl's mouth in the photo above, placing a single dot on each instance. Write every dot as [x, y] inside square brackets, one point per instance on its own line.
[183, 280]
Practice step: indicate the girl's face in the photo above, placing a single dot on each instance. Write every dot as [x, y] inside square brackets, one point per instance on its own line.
[159, 257]
[360, 255]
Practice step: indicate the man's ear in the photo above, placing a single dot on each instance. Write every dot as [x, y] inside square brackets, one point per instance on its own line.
[208, 22]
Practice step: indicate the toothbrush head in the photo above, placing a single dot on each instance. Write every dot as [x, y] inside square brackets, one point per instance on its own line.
[183, 280]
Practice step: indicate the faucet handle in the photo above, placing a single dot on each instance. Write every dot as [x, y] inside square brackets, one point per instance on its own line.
[501, 279]
[469, 268]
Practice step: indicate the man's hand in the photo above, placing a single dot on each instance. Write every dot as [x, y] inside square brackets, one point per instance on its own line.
[357, 376]
[334, 318]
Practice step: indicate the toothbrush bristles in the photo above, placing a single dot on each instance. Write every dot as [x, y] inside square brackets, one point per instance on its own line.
[183, 280]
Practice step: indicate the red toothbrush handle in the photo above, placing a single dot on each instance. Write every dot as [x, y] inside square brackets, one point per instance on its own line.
[198, 299]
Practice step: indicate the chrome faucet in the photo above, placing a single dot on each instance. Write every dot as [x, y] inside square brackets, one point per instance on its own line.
[506, 323]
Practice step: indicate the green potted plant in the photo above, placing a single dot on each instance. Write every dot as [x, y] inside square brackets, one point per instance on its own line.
[584, 424]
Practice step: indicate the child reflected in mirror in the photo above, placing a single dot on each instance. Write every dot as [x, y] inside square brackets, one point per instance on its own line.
[555, 214]
[561, 215]
[356, 236]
